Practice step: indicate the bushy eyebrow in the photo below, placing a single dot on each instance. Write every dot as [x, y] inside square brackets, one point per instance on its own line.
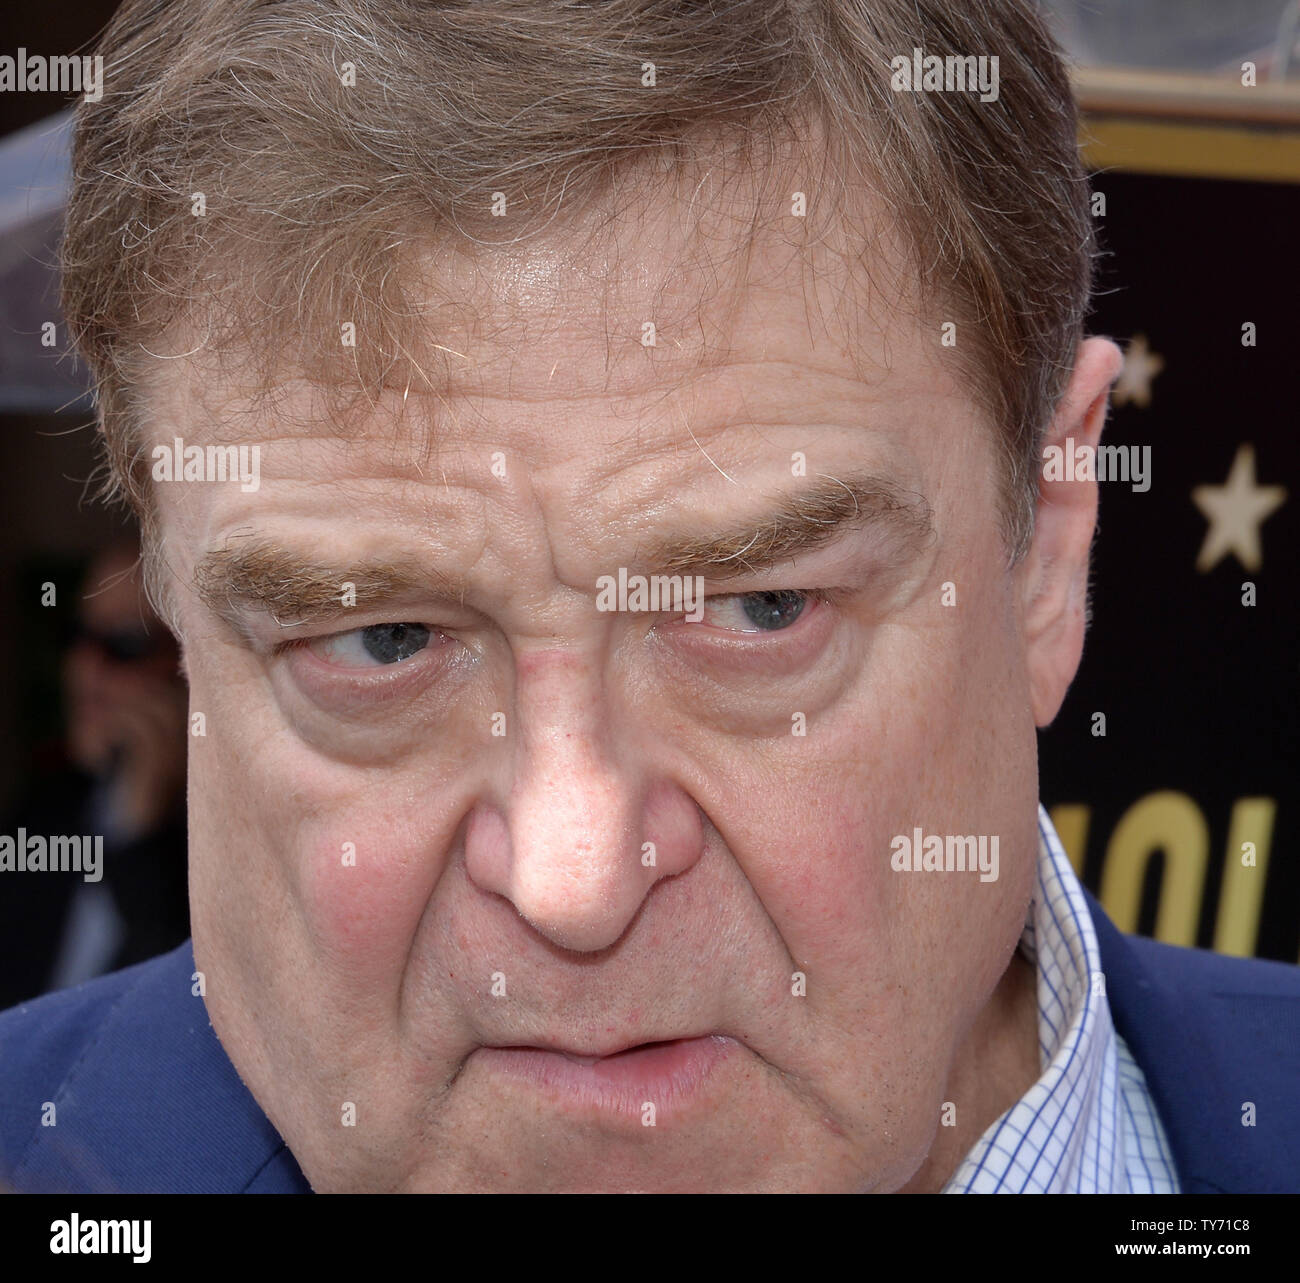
[796, 522]
[253, 574]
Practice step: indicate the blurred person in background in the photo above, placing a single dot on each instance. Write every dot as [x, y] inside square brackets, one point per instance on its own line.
[123, 779]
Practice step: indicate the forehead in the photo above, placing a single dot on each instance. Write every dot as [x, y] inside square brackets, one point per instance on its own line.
[691, 268]
[680, 280]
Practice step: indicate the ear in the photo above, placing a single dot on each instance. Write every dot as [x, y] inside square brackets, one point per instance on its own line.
[1054, 572]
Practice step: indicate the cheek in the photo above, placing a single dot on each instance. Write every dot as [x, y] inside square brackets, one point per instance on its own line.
[334, 861]
[812, 829]
[364, 860]
[932, 736]
[359, 879]
[343, 862]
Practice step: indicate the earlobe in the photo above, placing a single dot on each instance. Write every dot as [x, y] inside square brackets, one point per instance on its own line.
[1054, 584]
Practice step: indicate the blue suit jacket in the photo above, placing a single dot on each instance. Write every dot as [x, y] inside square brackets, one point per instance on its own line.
[145, 1099]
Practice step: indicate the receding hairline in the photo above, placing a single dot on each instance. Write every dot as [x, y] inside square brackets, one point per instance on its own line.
[468, 328]
[245, 102]
[723, 177]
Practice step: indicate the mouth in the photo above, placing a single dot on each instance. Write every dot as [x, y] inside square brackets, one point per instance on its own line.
[592, 1057]
[671, 1073]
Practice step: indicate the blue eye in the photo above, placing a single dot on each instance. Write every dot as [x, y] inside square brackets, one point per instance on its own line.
[757, 612]
[378, 644]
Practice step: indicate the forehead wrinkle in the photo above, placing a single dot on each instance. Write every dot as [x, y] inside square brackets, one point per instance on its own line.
[680, 420]
[800, 522]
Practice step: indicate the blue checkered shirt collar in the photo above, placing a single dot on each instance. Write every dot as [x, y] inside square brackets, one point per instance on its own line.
[1088, 1125]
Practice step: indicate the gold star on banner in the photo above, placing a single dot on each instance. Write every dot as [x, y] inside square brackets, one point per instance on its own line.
[1141, 365]
[1235, 511]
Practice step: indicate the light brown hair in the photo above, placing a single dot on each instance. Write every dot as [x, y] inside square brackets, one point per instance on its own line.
[316, 179]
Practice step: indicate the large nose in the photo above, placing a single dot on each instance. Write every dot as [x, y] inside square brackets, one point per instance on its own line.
[587, 822]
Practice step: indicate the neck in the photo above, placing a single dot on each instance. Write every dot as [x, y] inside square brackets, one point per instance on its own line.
[995, 1065]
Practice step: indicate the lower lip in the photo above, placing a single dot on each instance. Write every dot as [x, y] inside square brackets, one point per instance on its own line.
[665, 1074]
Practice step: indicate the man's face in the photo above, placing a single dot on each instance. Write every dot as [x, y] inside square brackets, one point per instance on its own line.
[422, 894]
